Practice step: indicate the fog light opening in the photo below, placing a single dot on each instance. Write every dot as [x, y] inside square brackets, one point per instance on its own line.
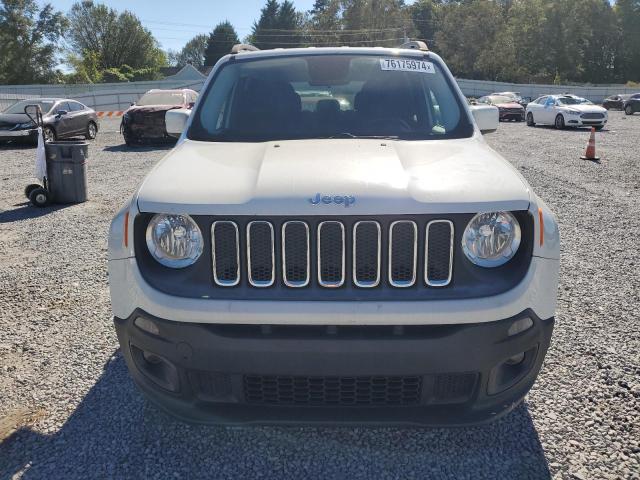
[158, 369]
[147, 325]
[520, 326]
[516, 359]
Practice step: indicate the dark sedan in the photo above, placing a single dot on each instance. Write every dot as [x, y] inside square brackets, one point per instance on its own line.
[615, 102]
[62, 118]
[632, 104]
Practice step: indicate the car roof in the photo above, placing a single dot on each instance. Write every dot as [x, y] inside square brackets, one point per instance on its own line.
[281, 52]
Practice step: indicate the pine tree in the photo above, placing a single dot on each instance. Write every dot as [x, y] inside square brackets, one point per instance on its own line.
[220, 42]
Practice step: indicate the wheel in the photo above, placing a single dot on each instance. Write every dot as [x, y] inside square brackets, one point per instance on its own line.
[49, 134]
[40, 197]
[628, 110]
[530, 121]
[559, 123]
[92, 131]
[129, 140]
[30, 188]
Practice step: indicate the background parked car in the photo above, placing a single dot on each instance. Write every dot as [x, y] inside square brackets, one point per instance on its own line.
[144, 120]
[632, 104]
[615, 102]
[516, 96]
[62, 118]
[566, 111]
[508, 108]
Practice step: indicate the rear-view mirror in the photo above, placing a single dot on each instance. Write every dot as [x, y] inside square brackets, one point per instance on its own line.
[486, 117]
[176, 121]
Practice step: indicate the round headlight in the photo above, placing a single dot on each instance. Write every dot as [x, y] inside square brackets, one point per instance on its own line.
[174, 240]
[491, 239]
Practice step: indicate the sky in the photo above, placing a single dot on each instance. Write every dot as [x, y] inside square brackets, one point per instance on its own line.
[173, 23]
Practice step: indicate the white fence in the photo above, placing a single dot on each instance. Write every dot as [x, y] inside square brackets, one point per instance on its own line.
[595, 93]
[118, 96]
[99, 96]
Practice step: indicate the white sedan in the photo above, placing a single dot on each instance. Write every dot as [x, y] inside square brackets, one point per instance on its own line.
[565, 111]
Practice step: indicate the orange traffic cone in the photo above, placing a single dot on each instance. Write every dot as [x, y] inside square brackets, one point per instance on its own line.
[590, 153]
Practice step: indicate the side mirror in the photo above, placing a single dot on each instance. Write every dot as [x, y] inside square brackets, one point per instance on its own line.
[486, 117]
[176, 120]
[133, 103]
[62, 113]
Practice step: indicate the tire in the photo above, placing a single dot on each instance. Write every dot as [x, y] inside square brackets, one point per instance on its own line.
[92, 131]
[129, 140]
[559, 122]
[530, 122]
[49, 134]
[40, 197]
[30, 188]
[628, 110]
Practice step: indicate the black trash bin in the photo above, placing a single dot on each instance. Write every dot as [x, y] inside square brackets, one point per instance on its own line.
[67, 171]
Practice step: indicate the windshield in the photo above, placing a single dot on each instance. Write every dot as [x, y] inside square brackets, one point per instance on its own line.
[573, 101]
[161, 98]
[329, 96]
[45, 106]
[501, 99]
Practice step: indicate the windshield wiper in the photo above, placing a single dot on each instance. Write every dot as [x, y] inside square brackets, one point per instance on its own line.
[351, 135]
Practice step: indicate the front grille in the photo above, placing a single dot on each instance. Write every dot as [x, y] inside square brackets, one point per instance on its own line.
[260, 254]
[332, 391]
[403, 251]
[225, 253]
[364, 253]
[439, 257]
[331, 253]
[592, 115]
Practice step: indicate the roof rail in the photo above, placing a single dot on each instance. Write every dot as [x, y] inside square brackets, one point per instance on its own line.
[243, 47]
[415, 45]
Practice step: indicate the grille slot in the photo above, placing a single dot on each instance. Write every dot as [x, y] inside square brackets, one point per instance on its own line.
[260, 254]
[332, 391]
[438, 253]
[592, 115]
[366, 254]
[225, 253]
[454, 387]
[331, 252]
[295, 254]
[403, 253]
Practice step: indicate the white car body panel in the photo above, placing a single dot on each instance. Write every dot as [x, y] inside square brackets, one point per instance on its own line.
[449, 176]
[546, 113]
[384, 177]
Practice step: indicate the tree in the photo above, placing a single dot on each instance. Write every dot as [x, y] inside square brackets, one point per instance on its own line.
[279, 26]
[424, 15]
[193, 53]
[628, 16]
[325, 23]
[375, 22]
[466, 38]
[220, 42]
[116, 38]
[28, 41]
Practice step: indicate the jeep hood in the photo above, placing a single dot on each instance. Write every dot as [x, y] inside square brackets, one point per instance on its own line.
[384, 177]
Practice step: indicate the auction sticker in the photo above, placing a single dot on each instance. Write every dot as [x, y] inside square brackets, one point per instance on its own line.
[406, 65]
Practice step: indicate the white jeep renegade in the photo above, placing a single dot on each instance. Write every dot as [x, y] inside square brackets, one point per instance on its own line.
[332, 240]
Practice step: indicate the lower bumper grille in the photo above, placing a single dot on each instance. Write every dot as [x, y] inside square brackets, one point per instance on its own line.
[333, 391]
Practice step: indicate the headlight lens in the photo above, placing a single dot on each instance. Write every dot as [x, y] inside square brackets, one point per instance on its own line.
[573, 112]
[491, 239]
[174, 240]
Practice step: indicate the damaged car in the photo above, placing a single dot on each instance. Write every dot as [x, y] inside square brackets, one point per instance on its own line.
[144, 121]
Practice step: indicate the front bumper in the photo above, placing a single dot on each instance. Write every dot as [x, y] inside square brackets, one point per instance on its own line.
[18, 134]
[506, 116]
[581, 122]
[417, 375]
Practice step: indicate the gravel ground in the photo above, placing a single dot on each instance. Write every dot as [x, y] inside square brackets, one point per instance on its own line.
[69, 410]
